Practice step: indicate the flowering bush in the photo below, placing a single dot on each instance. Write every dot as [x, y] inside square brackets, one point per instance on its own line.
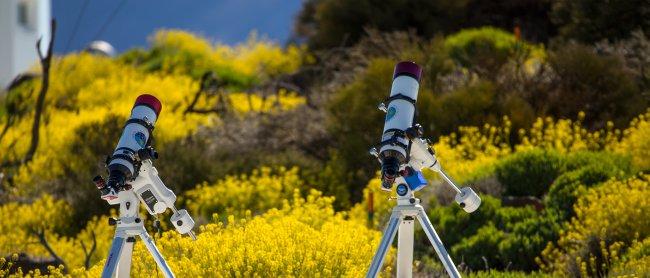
[608, 220]
[258, 192]
[305, 237]
[269, 222]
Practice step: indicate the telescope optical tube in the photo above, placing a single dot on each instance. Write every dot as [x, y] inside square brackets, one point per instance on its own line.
[400, 114]
[136, 135]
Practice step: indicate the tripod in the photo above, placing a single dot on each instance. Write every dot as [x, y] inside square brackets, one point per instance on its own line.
[150, 190]
[408, 209]
[402, 218]
[128, 226]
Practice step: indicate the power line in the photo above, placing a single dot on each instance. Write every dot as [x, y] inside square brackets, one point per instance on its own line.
[108, 21]
[76, 25]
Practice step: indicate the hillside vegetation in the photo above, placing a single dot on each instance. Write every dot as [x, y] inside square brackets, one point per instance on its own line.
[266, 147]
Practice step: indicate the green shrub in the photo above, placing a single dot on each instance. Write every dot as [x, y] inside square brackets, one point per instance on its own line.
[513, 241]
[480, 251]
[527, 239]
[635, 261]
[608, 160]
[454, 224]
[589, 169]
[473, 105]
[598, 85]
[529, 173]
[485, 50]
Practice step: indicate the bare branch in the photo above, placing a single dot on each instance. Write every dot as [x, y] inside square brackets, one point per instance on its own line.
[8, 124]
[205, 83]
[45, 67]
[40, 234]
[89, 253]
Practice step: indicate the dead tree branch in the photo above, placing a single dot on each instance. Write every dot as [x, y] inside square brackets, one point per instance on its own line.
[209, 84]
[89, 253]
[40, 234]
[45, 67]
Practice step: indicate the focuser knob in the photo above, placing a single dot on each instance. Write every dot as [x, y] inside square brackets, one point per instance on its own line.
[416, 131]
[373, 152]
[147, 153]
[382, 107]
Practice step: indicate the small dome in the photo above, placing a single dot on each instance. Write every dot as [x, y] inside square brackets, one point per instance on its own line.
[100, 48]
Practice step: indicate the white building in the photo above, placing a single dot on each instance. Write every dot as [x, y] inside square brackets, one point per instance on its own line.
[22, 22]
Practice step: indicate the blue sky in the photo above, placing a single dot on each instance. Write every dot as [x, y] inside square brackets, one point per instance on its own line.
[225, 21]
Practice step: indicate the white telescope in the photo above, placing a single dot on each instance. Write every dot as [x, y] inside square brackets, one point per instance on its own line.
[400, 116]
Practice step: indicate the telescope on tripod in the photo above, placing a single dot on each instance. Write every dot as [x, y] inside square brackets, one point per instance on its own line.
[403, 153]
[132, 179]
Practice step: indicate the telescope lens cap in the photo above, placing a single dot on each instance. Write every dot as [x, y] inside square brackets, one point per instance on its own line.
[151, 101]
[408, 68]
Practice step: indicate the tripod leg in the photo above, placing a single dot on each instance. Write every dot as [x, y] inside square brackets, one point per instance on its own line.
[114, 255]
[151, 246]
[405, 247]
[124, 266]
[386, 240]
[437, 244]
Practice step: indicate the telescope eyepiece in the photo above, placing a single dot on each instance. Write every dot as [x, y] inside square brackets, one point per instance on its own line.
[116, 179]
[389, 169]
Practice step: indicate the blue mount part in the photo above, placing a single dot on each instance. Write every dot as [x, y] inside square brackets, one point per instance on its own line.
[415, 180]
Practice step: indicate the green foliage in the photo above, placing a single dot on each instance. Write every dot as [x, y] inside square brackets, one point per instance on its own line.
[591, 168]
[507, 237]
[456, 224]
[330, 23]
[477, 104]
[471, 105]
[527, 239]
[635, 261]
[597, 85]
[609, 219]
[481, 245]
[529, 173]
[479, 77]
[487, 49]
[614, 162]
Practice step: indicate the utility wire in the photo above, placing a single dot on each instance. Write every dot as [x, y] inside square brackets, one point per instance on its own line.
[76, 25]
[108, 21]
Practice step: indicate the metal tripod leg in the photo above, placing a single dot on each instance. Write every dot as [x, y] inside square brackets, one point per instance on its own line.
[124, 265]
[405, 246]
[386, 240]
[437, 243]
[118, 263]
[160, 261]
[114, 256]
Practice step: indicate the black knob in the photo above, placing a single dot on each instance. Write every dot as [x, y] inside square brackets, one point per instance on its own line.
[99, 182]
[112, 221]
[415, 131]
